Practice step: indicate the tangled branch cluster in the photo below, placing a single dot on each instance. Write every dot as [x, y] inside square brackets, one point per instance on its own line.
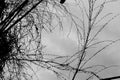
[21, 26]
[12, 33]
[20, 36]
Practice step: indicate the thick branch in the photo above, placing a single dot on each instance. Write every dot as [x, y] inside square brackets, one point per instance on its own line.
[34, 6]
[111, 78]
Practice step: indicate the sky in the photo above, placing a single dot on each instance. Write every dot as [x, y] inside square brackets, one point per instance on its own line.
[58, 42]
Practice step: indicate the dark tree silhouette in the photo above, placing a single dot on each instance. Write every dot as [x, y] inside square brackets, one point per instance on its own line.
[20, 30]
[9, 46]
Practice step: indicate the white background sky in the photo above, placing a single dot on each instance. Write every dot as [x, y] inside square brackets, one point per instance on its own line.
[59, 43]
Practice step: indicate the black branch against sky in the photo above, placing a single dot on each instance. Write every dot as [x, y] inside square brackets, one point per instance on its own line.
[62, 1]
[111, 78]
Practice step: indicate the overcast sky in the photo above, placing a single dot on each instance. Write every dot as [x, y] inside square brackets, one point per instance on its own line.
[59, 43]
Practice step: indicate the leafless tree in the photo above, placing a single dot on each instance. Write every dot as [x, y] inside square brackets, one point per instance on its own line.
[21, 25]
